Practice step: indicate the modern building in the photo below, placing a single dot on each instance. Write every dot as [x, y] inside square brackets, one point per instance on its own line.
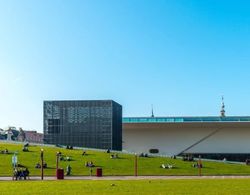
[211, 137]
[93, 124]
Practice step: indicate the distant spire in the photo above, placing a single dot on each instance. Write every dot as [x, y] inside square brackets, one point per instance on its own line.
[152, 111]
[222, 112]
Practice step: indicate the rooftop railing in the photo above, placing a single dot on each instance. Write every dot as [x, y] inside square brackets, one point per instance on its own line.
[185, 119]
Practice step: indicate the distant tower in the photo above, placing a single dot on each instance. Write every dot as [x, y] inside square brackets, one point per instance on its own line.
[9, 135]
[152, 111]
[222, 112]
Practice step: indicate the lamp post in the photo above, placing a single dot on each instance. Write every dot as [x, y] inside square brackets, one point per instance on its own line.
[199, 165]
[57, 162]
[136, 165]
[41, 164]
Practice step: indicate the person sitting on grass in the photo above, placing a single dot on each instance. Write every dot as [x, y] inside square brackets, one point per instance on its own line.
[38, 166]
[45, 165]
[197, 165]
[112, 156]
[89, 164]
[25, 149]
[168, 166]
[143, 155]
[68, 158]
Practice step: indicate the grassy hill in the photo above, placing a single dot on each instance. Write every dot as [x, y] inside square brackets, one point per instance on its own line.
[124, 165]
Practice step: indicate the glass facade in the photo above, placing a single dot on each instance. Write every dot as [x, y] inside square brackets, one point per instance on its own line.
[92, 124]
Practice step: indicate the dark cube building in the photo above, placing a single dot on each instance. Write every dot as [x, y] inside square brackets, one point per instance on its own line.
[93, 124]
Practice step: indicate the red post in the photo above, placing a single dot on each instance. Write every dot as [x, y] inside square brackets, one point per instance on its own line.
[136, 165]
[199, 165]
[41, 164]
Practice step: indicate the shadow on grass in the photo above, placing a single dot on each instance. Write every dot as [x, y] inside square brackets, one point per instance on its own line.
[87, 155]
[119, 158]
[67, 161]
[9, 153]
[29, 151]
[95, 167]
[49, 168]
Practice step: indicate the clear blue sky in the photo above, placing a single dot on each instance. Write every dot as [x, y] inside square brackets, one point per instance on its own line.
[179, 55]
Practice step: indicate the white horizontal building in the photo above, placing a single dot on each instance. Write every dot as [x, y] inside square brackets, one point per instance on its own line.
[210, 137]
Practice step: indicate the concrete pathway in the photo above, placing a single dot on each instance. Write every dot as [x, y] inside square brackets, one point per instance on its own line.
[36, 178]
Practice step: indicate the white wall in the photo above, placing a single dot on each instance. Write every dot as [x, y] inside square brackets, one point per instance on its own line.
[228, 140]
[173, 139]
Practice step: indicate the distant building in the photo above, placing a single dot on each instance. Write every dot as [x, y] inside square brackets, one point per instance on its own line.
[21, 136]
[29, 136]
[33, 137]
[2, 132]
[3, 135]
[93, 124]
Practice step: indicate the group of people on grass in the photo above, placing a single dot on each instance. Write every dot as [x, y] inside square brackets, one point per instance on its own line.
[23, 172]
[65, 158]
[20, 173]
[143, 155]
[197, 165]
[62, 157]
[167, 166]
[113, 156]
[38, 165]
[6, 151]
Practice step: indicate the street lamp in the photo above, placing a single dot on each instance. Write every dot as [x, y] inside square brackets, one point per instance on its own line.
[57, 162]
[41, 164]
[136, 165]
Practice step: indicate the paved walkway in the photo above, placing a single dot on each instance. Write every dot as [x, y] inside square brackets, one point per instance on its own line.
[36, 178]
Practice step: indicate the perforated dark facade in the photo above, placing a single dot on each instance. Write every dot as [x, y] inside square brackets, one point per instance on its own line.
[93, 124]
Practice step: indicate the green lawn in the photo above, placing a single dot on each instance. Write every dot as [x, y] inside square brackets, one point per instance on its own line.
[122, 166]
[215, 186]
